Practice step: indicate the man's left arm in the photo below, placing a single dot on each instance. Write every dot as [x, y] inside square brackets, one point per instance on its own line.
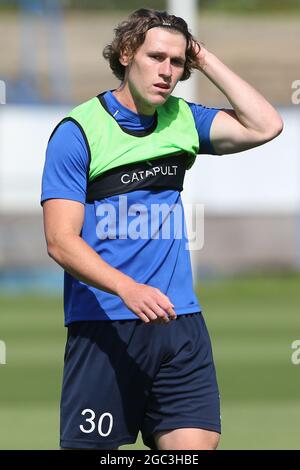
[253, 121]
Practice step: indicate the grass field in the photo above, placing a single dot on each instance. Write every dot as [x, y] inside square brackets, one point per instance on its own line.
[252, 323]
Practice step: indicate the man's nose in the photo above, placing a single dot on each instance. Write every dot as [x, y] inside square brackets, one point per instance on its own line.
[165, 68]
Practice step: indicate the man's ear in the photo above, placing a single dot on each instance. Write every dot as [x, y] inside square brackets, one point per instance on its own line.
[125, 57]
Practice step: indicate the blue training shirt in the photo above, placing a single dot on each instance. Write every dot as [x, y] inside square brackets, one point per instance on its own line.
[149, 258]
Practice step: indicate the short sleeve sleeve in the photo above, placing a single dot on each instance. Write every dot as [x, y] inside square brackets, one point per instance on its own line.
[66, 165]
[204, 117]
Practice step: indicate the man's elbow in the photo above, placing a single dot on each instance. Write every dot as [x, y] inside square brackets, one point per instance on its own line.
[277, 126]
[274, 128]
[53, 250]
[56, 248]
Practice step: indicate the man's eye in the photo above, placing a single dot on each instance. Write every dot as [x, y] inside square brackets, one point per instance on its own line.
[178, 63]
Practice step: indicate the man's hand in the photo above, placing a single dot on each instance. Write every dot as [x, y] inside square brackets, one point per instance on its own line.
[201, 55]
[147, 302]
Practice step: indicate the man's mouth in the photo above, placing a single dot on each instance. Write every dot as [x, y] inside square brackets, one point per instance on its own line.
[162, 86]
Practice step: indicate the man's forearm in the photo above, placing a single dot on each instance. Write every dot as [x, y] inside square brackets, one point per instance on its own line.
[252, 109]
[148, 303]
[81, 261]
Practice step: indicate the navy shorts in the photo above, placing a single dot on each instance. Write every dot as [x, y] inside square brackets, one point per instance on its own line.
[126, 376]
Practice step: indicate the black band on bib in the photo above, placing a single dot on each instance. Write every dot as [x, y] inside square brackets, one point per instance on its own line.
[159, 173]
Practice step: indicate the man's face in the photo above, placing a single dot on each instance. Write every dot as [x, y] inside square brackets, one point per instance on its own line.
[155, 69]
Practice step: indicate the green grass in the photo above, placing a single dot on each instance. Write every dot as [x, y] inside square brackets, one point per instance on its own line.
[252, 322]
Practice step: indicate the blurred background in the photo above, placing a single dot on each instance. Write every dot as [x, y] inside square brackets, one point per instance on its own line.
[247, 273]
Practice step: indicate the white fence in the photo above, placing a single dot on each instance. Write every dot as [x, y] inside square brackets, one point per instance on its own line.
[265, 179]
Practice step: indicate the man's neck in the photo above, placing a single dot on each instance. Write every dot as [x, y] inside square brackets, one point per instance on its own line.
[126, 98]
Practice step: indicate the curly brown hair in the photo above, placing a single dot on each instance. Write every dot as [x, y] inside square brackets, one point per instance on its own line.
[130, 35]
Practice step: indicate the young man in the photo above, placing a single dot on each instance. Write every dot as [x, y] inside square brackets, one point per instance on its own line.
[138, 355]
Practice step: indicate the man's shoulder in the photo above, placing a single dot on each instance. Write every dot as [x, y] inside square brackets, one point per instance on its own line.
[86, 107]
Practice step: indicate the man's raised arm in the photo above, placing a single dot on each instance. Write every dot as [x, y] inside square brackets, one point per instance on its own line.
[253, 120]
